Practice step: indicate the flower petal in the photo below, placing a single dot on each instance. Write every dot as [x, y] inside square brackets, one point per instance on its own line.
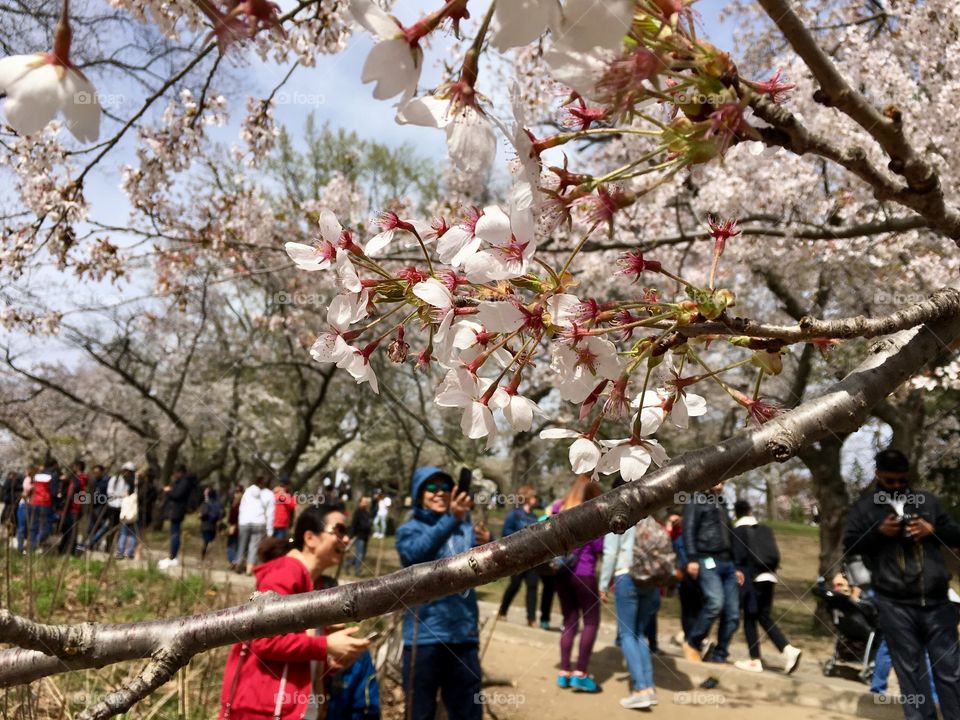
[584, 456]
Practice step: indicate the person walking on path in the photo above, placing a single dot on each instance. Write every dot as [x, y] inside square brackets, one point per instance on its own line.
[360, 527]
[383, 513]
[285, 505]
[177, 496]
[117, 489]
[756, 555]
[900, 532]
[707, 536]
[517, 519]
[210, 513]
[255, 516]
[636, 605]
[579, 596]
[440, 638]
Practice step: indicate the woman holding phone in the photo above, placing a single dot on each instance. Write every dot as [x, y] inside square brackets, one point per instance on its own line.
[271, 677]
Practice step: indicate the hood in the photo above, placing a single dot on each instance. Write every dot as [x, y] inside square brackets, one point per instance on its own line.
[746, 521]
[284, 566]
[420, 476]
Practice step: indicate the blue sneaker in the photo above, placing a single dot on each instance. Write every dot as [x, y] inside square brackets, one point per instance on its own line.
[563, 681]
[584, 684]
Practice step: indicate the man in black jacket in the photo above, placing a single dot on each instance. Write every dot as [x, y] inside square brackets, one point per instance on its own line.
[177, 496]
[706, 537]
[899, 532]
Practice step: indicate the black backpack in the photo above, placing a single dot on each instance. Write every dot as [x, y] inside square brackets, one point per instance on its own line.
[764, 553]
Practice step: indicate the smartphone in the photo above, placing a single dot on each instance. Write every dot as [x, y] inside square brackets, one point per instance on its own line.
[463, 484]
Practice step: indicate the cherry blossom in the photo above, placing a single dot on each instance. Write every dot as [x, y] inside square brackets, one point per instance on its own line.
[522, 21]
[464, 390]
[584, 452]
[38, 87]
[630, 457]
[511, 240]
[678, 405]
[581, 366]
[324, 253]
[471, 141]
[394, 63]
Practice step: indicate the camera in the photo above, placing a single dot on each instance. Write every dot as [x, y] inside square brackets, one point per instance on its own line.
[905, 520]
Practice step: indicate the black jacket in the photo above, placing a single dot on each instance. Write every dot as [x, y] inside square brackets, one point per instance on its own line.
[179, 496]
[706, 527]
[361, 524]
[902, 569]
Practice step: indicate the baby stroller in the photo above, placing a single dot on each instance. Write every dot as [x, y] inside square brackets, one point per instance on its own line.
[855, 626]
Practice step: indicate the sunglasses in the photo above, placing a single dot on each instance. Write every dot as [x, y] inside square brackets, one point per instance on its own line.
[435, 487]
[340, 530]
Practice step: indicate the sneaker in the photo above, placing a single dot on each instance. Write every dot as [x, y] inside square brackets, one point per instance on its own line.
[677, 639]
[163, 563]
[172, 562]
[706, 650]
[584, 683]
[652, 696]
[544, 624]
[690, 653]
[791, 658]
[563, 681]
[637, 701]
[749, 665]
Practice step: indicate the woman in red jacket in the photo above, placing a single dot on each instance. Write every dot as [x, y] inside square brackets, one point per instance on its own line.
[271, 677]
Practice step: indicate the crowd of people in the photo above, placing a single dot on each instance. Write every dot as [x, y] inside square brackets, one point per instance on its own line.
[721, 568]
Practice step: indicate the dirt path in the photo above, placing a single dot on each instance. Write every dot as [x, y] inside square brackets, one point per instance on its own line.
[529, 658]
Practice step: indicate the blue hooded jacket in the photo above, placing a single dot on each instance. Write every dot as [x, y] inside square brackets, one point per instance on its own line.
[429, 536]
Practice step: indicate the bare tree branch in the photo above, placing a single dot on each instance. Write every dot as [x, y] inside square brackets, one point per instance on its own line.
[842, 409]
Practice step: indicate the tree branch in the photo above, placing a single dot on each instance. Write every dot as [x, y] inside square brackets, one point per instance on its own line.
[842, 409]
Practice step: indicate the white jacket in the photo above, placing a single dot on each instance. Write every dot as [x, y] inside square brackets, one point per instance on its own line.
[256, 507]
[116, 491]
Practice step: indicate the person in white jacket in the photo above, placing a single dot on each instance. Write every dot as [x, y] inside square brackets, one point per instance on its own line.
[256, 515]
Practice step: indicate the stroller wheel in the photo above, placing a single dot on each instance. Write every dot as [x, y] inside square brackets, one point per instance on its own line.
[829, 668]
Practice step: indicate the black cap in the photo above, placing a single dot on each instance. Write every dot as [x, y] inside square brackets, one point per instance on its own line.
[891, 460]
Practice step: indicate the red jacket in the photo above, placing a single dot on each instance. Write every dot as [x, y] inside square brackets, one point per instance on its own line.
[79, 485]
[42, 492]
[283, 509]
[276, 670]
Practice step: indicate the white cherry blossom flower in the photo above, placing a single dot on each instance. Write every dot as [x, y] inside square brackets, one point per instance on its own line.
[584, 452]
[39, 86]
[679, 405]
[322, 255]
[471, 142]
[520, 22]
[459, 242]
[581, 367]
[519, 412]
[464, 390]
[394, 63]
[511, 240]
[500, 316]
[631, 458]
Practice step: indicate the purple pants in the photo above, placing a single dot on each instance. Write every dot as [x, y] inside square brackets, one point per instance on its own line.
[578, 597]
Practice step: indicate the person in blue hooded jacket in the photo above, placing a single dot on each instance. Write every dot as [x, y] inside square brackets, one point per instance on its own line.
[440, 638]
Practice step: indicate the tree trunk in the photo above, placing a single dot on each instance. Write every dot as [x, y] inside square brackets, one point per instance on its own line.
[823, 462]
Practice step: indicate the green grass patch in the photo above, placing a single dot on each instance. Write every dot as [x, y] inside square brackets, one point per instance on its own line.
[783, 527]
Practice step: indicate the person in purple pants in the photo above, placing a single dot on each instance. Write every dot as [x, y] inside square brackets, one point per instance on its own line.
[579, 596]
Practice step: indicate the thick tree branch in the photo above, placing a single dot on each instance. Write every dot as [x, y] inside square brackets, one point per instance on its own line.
[842, 409]
[886, 129]
[944, 302]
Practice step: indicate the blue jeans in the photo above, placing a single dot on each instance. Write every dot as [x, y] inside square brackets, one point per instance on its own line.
[128, 540]
[380, 524]
[21, 526]
[175, 537]
[636, 606]
[232, 541]
[881, 673]
[359, 553]
[721, 599]
[41, 523]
